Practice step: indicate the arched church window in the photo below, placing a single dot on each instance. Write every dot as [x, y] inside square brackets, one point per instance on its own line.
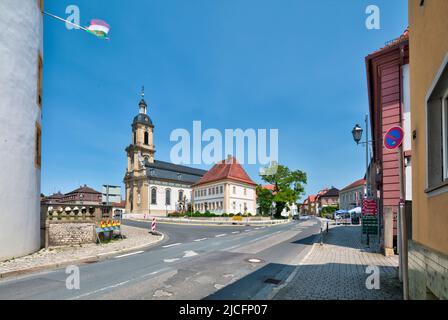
[146, 138]
[135, 137]
[154, 196]
[168, 197]
[181, 195]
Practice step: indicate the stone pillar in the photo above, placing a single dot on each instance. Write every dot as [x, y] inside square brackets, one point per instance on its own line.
[388, 231]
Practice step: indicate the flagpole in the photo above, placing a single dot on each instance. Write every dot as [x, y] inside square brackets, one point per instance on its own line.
[70, 23]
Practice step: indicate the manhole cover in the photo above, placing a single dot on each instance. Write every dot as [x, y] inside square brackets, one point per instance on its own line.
[272, 281]
[253, 260]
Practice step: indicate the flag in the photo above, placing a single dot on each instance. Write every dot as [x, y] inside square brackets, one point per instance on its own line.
[99, 28]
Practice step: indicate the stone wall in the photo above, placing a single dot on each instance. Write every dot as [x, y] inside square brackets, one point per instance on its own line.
[428, 273]
[64, 233]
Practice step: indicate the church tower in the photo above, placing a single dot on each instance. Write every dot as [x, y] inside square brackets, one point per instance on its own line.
[139, 152]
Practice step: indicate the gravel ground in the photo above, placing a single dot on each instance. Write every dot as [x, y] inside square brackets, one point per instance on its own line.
[135, 237]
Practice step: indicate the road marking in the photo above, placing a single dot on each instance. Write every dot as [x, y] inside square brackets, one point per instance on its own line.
[170, 260]
[258, 228]
[202, 239]
[189, 253]
[100, 290]
[235, 232]
[248, 230]
[172, 245]
[220, 235]
[129, 254]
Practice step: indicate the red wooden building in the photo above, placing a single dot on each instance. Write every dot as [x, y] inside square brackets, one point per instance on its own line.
[387, 76]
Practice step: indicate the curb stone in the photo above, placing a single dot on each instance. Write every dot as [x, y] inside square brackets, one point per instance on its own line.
[89, 259]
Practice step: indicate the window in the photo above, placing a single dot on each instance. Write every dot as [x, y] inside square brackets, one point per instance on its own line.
[216, 190]
[234, 205]
[245, 191]
[445, 135]
[234, 189]
[168, 197]
[146, 138]
[181, 195]
[221, 189]
[38, 146]
[154, 196]
[39, 80]
[135, 137]
[437, 132]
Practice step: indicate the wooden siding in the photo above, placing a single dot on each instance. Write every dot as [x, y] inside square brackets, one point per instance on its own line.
[384, 70]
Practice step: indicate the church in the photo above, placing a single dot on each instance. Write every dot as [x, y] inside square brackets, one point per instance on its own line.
[152, 186]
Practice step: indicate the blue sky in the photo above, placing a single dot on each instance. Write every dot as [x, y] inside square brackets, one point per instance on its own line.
[293, 65]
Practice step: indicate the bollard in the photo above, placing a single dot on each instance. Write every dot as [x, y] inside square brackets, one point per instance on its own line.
[321, 237]
[327, 226]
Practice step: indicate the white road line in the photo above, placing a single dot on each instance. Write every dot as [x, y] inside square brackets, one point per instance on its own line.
[220, 235]
[100, 290]
[129, 254]
[258, 228]
[248, 230]
[202, 239]
[189, 254]
[170, 260]
[235, 232]
[172, 245]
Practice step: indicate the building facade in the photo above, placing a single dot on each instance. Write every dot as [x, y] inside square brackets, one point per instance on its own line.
[21, 67]
[388, 88]
[327, 198]
[428, 248]
[154, 187]
[225, 188]
[351, 196]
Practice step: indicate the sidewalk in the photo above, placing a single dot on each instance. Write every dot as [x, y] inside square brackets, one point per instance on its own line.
[337, 271]
[56, 257]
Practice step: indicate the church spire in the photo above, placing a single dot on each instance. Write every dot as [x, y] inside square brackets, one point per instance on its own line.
[142, 105]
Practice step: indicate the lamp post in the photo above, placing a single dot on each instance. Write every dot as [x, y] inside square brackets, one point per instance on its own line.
[357, 135]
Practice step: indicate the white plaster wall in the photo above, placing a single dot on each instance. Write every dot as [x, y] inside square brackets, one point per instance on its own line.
[240, 198]
[161, 197]
[208, 198]
[407, 142]
[347, 197]
[20, 41]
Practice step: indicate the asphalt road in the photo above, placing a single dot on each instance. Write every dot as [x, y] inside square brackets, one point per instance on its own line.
[193, 262]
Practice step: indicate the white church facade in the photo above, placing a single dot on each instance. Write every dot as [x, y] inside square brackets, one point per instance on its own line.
[152, 186]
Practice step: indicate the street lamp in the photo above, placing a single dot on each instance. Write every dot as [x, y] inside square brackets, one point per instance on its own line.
[357, 135]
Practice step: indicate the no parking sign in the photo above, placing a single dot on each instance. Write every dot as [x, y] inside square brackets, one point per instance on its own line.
[393, 138]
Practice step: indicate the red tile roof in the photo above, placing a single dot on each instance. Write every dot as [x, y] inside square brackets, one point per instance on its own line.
[403, 38]
[226, 169]
[357, 183]
[121, 204]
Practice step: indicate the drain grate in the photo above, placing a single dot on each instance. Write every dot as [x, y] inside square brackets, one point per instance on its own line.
[272, 281]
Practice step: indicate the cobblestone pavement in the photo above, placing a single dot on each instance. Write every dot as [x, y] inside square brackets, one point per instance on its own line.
[135, 237]
[337, 271]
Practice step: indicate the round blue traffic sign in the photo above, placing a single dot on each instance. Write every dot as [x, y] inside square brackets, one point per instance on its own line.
[393, 138]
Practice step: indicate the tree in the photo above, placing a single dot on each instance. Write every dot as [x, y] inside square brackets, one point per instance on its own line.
[288, 186]
[265, 199]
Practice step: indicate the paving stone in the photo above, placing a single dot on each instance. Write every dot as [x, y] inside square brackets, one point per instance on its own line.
[337, 270]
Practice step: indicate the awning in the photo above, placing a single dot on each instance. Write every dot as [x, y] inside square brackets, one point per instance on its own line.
[357, 210]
